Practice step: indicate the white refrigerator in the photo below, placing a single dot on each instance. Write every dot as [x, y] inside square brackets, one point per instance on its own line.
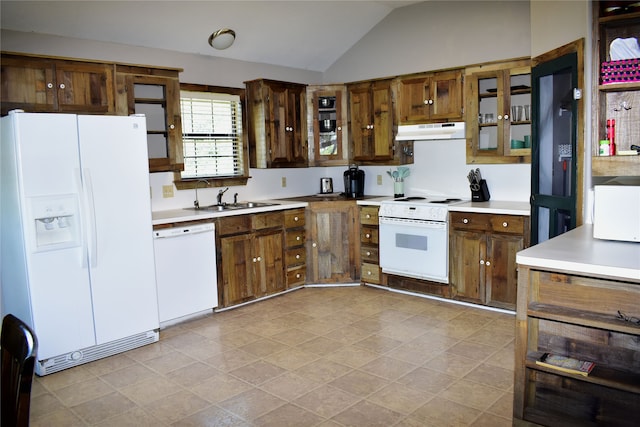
[77, 260]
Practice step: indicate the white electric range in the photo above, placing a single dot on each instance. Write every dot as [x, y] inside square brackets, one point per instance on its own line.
[414, 237]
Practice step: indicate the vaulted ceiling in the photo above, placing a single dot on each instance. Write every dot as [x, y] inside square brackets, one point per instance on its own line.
[309, 35]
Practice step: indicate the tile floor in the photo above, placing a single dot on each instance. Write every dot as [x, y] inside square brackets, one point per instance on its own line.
[348, 356]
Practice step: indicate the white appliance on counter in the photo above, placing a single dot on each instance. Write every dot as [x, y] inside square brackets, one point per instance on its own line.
[616, 213]
[414, 237]
[75, 229]
[186, 272]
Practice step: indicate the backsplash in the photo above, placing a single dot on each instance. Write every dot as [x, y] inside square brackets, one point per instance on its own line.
[439, 168]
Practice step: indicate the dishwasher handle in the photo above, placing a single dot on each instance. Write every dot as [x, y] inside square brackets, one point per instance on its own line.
[183, 231]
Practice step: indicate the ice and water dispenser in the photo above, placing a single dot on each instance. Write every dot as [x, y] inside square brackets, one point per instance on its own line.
[55, 222]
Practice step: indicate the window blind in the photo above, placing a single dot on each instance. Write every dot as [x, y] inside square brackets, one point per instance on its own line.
[211, 135]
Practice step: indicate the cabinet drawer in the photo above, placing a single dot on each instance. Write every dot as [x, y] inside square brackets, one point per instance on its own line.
[294, 218]
[233, 225]
[469, 221]
[369, 254]
[370, 273]
[295, 238]
[296, 276]
[369, 235]
[296, 256]
[369, 215]
[579, 293]
[507, 224]
[267, 220]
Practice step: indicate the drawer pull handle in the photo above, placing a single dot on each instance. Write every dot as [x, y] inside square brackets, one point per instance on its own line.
[369, 273]
[368, 253]
[295, 218]
[298, 238]
[49, 85]
[298, 256]
[62, 86]
[504, 224]
[314, 245]
[368, 236]
[368, 216]
[481, 262]
[298, 276]
[488, 263]
[465, 221]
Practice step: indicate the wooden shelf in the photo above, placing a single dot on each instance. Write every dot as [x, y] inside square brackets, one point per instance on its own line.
[619, 18]
[619, 87]
[615, 166]
[601, 375]
[582, 318]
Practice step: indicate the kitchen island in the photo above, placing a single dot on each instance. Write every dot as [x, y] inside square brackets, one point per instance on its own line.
[578, 297]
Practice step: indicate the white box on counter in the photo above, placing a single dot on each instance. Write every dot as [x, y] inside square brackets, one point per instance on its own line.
[617, 213]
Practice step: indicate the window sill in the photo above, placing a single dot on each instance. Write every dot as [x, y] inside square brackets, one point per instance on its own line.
[213, 182]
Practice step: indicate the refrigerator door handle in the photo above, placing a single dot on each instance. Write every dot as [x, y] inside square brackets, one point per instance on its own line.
[84, 219]
[91, 220]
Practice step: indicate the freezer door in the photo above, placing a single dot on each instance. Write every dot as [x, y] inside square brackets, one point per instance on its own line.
[43, 269]
[113, 157]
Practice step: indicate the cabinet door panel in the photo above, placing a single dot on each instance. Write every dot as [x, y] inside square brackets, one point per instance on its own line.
[413, 100]
[447, 95]
[502, 276]
[361, 121]
[85, 88]
[382, 122]
[236, 274]
[268, 267]
[27, 84]
[467, 249]
[332, 247]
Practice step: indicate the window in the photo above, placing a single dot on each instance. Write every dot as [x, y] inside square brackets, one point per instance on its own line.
[212, 135]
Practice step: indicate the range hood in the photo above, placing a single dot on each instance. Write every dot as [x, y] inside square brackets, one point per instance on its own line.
[453, 130]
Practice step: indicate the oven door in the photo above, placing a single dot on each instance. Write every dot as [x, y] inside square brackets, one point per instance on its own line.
[415, 248]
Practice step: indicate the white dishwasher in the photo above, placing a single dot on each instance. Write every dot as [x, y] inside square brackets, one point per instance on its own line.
[186, 275]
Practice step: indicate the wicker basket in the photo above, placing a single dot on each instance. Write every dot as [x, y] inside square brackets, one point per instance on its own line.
[622, 71]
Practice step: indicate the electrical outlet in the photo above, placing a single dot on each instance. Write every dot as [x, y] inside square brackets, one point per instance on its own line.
[379, 179]
[167, 191]
[284, 181]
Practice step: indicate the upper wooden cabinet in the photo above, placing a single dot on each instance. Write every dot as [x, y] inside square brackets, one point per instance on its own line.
[498, 107]
[277, 124]
[618, 101]
[327, 118]
[430, 97]
[154, 92]
[372, 129]
[41, 84]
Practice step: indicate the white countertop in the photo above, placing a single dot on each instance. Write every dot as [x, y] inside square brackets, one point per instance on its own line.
[579, 252]
[493, 206]
[181, 215]
[374, 201]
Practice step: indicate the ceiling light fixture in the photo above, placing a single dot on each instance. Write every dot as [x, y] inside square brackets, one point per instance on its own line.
[222, 38]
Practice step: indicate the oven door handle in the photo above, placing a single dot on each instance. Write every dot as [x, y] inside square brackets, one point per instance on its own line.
[411, 223]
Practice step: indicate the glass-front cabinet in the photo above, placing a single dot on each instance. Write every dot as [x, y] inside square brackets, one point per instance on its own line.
[498, 97]
[327, 118]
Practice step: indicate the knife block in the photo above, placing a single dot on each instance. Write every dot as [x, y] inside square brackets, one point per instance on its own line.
[481, 195]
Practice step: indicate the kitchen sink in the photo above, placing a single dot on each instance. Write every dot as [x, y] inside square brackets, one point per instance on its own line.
[233, 207]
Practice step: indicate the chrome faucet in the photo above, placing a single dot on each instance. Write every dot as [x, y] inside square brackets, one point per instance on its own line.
[235, 198]
[219, 196]
[196, 202]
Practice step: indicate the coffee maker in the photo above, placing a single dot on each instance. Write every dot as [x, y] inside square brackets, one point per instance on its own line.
[354, 182]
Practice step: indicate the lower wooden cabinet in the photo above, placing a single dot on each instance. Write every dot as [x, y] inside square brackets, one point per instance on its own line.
[333, 245]
[572, 315]
[295, 251]
[369, 250]
[251, 257]
[482, 257]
